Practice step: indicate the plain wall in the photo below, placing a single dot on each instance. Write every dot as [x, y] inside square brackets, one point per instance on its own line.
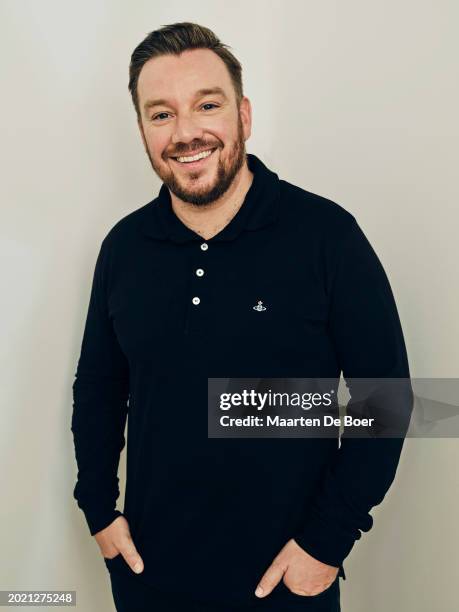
[356, 101]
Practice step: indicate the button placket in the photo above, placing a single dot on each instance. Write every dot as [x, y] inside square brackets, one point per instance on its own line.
[196, 287]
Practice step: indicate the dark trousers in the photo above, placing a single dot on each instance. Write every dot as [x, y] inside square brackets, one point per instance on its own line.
[131, 594]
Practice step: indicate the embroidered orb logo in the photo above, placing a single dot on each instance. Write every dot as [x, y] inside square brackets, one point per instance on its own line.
[259, 306]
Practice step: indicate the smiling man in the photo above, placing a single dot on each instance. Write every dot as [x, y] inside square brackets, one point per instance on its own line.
[195, 138]
[229, 271]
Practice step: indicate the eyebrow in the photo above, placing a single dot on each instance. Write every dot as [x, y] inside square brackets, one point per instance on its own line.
[208, 91]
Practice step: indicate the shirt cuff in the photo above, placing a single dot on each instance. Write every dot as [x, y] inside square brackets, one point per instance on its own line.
[328, 546]
[98, 518]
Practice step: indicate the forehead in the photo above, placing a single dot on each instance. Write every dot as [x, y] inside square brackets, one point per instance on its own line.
[176, 77]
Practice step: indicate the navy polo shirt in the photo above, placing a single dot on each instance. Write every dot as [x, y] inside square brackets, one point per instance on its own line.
[290, 287]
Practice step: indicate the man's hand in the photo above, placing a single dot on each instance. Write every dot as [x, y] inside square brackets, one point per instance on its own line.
[302, 574]
[115, 539]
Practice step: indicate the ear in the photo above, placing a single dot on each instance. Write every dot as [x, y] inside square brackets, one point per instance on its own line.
[245, 111]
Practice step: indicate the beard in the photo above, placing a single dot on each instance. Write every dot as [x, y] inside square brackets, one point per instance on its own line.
[226, 172]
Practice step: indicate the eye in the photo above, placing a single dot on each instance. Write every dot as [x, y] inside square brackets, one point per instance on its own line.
[158, 115]
[155, 117]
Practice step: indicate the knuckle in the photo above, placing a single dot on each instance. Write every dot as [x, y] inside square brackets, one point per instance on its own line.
[131, 558]
[277, 564]
[128, 546]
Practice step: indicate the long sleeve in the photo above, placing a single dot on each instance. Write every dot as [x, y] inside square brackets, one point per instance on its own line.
[100, 394]
[366, 332]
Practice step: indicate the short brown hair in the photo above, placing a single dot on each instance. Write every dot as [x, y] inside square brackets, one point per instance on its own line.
[175, 38]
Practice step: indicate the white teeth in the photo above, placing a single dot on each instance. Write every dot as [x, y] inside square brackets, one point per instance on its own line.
[195, 157]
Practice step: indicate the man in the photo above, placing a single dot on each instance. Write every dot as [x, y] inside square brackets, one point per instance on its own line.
[230, 271]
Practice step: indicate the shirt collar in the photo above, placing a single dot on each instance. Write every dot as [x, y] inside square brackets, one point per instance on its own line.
[260, 208]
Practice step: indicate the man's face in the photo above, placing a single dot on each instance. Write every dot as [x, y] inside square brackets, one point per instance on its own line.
[179, 119]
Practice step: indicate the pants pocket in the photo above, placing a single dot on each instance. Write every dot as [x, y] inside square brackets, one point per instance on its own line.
[331, 592]
[115, 562]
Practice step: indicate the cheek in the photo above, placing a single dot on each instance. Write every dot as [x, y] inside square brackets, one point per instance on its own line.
[158, 147]
[221, 131]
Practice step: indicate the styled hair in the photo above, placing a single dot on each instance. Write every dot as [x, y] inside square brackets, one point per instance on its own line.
[174, 39]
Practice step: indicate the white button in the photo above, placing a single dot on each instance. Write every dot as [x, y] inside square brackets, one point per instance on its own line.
[204, 246]
[199, 272]
[196, 300]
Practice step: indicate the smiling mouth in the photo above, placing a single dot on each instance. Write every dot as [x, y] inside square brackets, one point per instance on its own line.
[196, 160]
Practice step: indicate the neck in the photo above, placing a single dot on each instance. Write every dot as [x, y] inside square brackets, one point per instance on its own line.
[209, 219]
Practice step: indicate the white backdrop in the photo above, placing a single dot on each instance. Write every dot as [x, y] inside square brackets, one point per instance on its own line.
[356, 101]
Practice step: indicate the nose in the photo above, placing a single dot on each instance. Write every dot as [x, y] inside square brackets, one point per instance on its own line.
[186, 130]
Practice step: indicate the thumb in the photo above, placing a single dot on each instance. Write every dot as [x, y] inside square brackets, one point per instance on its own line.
[270, 579]
[131, 556]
